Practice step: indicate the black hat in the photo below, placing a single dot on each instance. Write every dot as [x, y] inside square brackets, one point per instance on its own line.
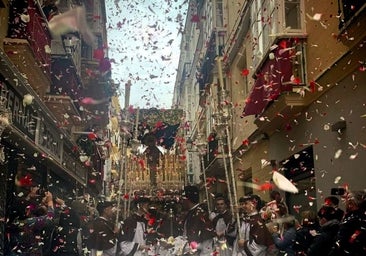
[191, 193]
[142, 200]
[253, 198]
[102, 205]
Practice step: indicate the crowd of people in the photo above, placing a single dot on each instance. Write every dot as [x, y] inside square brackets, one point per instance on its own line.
[42, 224]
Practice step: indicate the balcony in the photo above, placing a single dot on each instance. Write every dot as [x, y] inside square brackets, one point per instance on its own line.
[65, 111]
[216, 167]
[351, 25]
[27, 44]
[21, 54]
[278, 74]
[68, 48]
[214, 159]
[205, 75]
[287, 105]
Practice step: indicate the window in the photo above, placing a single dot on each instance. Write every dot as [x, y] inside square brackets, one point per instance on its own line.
[219, 14]
[221, 40]
[298, 63]
[297, 58]
[274, 19]
[299, 168]
[292, 14]
[242, 65]
[190, 178]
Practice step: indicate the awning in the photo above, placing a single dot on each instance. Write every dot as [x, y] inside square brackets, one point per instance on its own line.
[273, 78]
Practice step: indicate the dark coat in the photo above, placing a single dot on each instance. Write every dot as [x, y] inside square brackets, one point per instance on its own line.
[323, 242]
[258, 231]
[227, 216]
[65, 237]
[102, 236]
[197, 225]
[304, 238]
[129, 226]
[286, 242]
[351, 238]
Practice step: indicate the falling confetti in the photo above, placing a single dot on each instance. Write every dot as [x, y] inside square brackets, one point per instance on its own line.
[338, 153]
[153, 30]
[316, 16]
[337, 179]
[27, 99]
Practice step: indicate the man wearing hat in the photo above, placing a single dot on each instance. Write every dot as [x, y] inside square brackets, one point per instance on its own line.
[333, 201]
[253, 237]
[103, 233]
[198, 227]
[325, 238]
[134, 228]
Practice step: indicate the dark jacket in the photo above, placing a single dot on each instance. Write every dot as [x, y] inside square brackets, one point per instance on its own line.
[286, 242]
[323, 242]
[227, 216]
[129, 226]
[304, 237]
[128, 245]
[198, 226]
[65, 237]
[228, 220]
[351, 237]
[102, 236]
[32, 234]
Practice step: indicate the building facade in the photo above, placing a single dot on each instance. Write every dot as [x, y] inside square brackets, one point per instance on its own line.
[52, 136]
[290, 73]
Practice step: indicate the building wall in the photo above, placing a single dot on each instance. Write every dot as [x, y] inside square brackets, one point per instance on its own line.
[255, 163]
[310, 126]
[240, 86]
[323, 48]
[4, 14]
[344, 101]
[339, 95]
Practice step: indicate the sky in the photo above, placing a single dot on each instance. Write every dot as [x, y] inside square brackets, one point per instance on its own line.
[143, 43]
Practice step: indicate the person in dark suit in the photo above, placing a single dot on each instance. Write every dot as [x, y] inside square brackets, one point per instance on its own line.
[198, 228]
[333, 201]
[134, 229]
[329, 226]
[103, 236]
[351, 236]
